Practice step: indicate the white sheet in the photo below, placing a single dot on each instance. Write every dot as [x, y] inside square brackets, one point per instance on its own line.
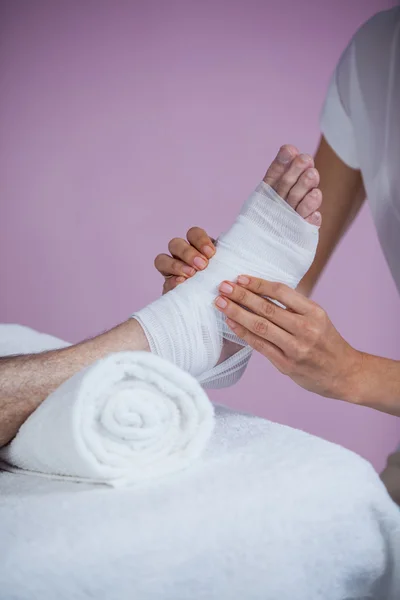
[268, 513]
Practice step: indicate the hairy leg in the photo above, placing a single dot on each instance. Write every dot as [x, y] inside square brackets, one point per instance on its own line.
[26, 380]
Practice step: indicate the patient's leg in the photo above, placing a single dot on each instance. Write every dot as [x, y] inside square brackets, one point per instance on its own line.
[27, 380]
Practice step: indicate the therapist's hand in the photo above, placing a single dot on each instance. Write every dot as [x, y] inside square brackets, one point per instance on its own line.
[300, 341]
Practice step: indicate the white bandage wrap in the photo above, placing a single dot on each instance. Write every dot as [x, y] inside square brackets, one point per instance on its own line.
[268, 240]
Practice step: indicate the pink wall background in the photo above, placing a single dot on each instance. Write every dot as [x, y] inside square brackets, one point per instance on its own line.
[124, 123]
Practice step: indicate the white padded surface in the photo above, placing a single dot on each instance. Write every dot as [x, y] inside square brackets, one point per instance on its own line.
[269, 513]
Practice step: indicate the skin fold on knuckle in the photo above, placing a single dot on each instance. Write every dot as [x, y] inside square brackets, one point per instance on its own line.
[318, 314]
[241, 296]
[276, 289]
[241, 332]
[311, 332]
[292, 350]
[260, 327]
[257, 285]
[232, 311]
[259, 345]
[268, 309]
[301, 353]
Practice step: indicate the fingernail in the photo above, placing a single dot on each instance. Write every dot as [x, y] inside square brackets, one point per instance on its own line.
[226, 288]
[208, 251]
[305, 158]
[284, 156]
[200, 263]
[231, 323]
[188, 270]
[180, 280]
[311, 174]
[221, 303]
[243, 280]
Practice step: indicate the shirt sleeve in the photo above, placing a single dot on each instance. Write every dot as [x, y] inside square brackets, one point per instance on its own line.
[335, 122]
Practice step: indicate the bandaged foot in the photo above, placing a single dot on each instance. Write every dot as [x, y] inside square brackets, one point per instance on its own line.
[269, 239]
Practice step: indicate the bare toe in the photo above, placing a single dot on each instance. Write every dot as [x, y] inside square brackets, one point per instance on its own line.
[292, 174]
[294, 178]
[280, 164]
[310, 203]
[306, 182]
[315, 219]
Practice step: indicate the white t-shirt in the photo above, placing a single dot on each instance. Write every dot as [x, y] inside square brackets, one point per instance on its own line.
[361, 122]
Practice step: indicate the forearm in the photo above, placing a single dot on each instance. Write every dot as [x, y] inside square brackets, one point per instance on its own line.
[26, 380]
[343, 194]
[376, 384]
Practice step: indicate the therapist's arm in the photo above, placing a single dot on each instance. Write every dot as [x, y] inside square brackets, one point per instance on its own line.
[343, 195]
[377, 384]
[27, 380]
[303, 344]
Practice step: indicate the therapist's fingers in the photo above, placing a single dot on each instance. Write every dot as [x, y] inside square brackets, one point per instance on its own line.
[277, 291]
[260, 306]
[255, 324]
[256, 332]
[261, 345]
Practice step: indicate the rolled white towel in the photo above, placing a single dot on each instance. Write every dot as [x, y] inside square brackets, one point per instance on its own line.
[129, 417]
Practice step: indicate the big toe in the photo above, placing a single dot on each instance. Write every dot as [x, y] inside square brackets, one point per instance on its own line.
[286, 154]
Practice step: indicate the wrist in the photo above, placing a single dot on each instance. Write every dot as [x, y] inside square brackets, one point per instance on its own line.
[352, 387]
[374, 382]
